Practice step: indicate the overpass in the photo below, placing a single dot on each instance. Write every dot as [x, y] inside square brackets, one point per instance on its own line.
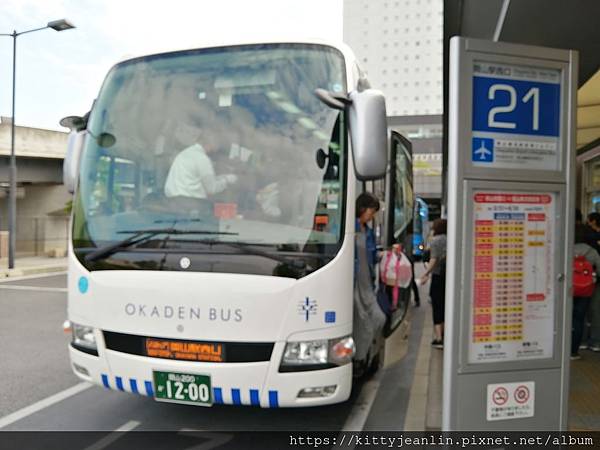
[41, 197]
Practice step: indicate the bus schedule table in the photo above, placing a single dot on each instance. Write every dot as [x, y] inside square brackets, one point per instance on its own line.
[512, 289]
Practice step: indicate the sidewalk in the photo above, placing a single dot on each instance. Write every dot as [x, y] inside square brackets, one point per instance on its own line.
[31, 265]
[584, 392]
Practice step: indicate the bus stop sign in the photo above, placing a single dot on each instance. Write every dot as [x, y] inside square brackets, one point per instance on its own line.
[510, 184]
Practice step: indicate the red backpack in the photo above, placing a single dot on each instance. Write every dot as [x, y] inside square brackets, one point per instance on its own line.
[583, 277]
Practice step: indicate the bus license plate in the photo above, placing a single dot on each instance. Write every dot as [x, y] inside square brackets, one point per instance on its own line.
[183, 388]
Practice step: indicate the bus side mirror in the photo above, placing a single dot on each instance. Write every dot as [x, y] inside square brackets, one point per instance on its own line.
[369, 134]
[72, 158]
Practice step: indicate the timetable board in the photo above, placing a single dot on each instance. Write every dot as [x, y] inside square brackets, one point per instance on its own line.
[512, 304]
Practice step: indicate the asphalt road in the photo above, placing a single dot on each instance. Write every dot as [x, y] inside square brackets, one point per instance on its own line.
[34, 366]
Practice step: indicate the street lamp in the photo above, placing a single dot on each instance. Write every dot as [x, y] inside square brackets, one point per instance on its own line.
[58, 25]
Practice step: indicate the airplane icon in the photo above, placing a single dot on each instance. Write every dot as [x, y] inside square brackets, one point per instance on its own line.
[482, 152]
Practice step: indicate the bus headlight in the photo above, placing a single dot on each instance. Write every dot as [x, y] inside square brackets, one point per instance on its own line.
[306, 352]
[318, 354]
[83, 338]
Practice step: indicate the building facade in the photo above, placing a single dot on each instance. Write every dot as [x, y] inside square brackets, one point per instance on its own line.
[399, 44]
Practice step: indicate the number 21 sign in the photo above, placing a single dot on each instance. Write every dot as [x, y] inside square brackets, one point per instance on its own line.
[516, 106]
[516, 116]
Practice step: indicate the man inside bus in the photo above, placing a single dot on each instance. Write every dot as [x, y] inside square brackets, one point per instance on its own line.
[192, 174]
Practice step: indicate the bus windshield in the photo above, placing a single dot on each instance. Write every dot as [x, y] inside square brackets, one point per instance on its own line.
[228, 143]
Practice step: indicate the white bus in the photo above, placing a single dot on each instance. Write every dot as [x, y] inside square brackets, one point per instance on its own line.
[242, 294]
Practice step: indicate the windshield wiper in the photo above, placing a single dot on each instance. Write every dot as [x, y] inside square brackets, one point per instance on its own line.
[246, 248]
[141, 236]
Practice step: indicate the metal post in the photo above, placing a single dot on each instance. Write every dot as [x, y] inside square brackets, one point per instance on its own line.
[12, 201]
[58, 25]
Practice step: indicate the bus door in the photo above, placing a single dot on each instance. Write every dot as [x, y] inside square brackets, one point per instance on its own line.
[398, 214]
[400, 196]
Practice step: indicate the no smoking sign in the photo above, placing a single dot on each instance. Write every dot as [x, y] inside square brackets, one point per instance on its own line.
[500, 396]
[510, 400]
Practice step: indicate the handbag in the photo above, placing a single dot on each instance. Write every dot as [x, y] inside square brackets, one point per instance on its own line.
[395, 271]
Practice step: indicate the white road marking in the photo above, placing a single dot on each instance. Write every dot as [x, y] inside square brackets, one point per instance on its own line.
[33, 288]
[31, 277]
[215, 440]
[112, 437]
[42, 404]
[358, 416]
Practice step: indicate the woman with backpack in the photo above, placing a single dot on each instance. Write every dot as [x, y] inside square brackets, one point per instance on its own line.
[586, 260]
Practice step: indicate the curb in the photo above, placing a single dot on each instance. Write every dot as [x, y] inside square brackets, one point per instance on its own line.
[9, 273]
[416, 413]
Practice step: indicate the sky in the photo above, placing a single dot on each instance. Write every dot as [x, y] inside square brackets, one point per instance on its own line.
[60, 73]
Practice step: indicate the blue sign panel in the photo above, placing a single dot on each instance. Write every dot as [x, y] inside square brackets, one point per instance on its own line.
[516, 106]
[483, 150]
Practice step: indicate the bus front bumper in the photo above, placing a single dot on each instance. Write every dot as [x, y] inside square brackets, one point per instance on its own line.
[254, 384]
